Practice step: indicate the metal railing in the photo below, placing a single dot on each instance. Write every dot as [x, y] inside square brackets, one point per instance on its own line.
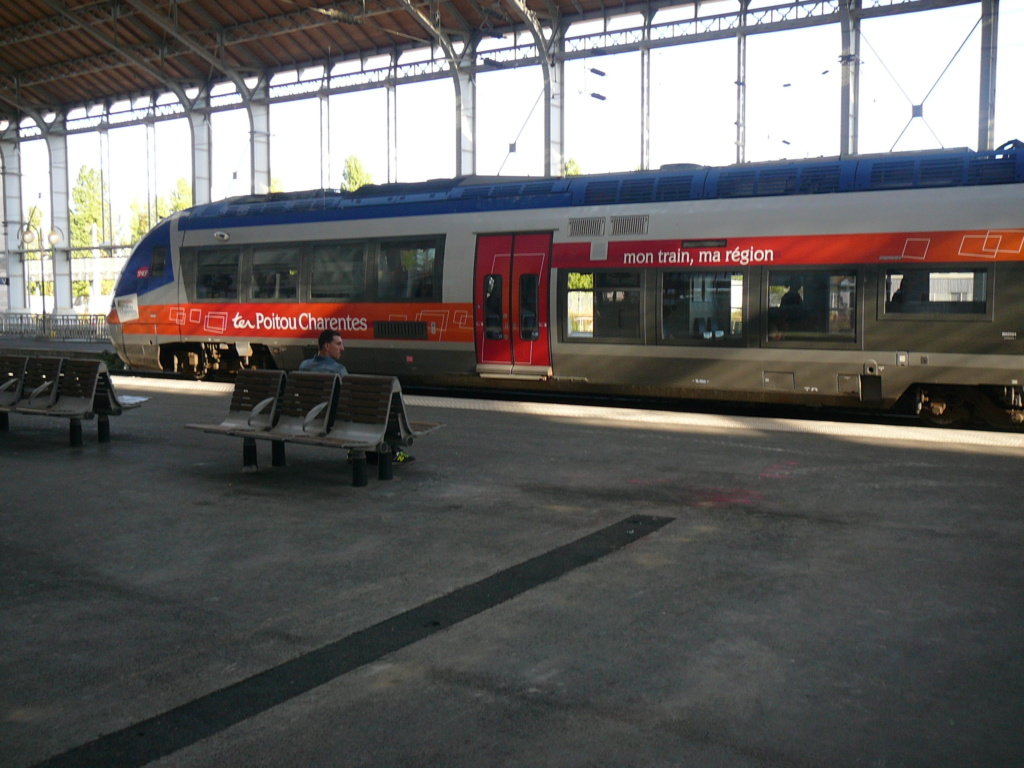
[60, 327]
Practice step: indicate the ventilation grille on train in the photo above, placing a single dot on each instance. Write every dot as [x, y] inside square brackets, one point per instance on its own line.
[630, 225]
[674, 188]
[892, 174]
[646, 189]
[589, 227]
[817, 181]
[992, 170]
[601, 193]
[400, 329]
[737, 184]
[636, 191]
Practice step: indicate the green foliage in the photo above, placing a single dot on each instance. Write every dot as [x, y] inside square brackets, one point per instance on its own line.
[354, 174]
[142, 221]
[33, 288]
[35, 217]
[581, 281]
[87, 198]
[81, 288]
[572, 168]
[181, 197]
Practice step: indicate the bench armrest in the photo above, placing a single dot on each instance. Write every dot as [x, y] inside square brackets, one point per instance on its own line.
[261, 406]
[8, 384]
[313, 413]
[42, 388]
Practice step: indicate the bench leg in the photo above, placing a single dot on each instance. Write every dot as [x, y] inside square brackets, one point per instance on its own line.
[103, 428]
[249, 462]
[76, 433]
[277, 458]
[359, 473]
[385, 467]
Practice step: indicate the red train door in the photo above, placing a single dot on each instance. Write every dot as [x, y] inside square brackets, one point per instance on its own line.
[510, 305]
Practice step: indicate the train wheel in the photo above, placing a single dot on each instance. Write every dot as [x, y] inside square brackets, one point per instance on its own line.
[946, 411]
[193, 362]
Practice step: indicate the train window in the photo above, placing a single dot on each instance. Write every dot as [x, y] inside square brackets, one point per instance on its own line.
[338, 271]
[701, 307]
[529, 299]
[158, 261]
[812, 305]
[936, 291]
[603, 305]
[217, 273]
[275, 273]
[493, 305]
[406, 269]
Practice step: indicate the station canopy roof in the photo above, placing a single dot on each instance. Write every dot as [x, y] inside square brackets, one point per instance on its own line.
[57, 55]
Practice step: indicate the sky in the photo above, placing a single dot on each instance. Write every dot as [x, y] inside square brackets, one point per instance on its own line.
[928, 58]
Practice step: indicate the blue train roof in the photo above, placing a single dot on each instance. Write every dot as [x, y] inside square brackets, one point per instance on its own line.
[910, 170]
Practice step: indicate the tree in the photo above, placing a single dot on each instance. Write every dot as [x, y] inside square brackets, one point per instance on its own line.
[35, 216]
[572, 168]
[141, 220]
[87, 198]
[354, 174]
[181, 197]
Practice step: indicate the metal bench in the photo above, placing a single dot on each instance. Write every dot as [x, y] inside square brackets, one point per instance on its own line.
[362, 414]
[73, 389]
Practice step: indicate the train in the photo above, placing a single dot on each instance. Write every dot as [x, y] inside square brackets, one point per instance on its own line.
[885, 282]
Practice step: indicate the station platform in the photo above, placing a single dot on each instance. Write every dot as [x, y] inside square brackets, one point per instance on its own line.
[67, 348]
[546, 585]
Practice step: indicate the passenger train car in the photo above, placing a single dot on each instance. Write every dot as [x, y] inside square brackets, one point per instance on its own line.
[873, 280]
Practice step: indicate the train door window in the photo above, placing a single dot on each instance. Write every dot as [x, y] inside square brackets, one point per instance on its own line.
[699, 307]
[217, 273]
[338, 271]
[275, 273]
[936, 292]
[493, 307]
[603, 305]
[529, 298]
[812, 305]
[410, 269]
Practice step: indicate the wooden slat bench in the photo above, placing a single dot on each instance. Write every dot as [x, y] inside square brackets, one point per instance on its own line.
[72, 389]
[362, 414]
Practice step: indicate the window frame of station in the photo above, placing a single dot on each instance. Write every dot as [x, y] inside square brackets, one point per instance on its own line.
[886, 315]
[371, 256]
[766, 273]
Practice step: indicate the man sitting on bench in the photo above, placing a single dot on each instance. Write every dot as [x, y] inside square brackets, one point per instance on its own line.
[328, 360]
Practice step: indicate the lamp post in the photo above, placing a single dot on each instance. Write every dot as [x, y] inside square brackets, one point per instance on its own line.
[29, 235]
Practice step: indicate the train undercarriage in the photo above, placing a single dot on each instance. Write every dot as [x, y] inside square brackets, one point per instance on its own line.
[958, 406]
[935, 405]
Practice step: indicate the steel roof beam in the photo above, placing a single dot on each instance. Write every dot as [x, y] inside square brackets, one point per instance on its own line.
[171, 27]
[87, 26]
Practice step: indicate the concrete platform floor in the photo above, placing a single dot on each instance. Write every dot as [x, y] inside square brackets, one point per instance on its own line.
[544, 586]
